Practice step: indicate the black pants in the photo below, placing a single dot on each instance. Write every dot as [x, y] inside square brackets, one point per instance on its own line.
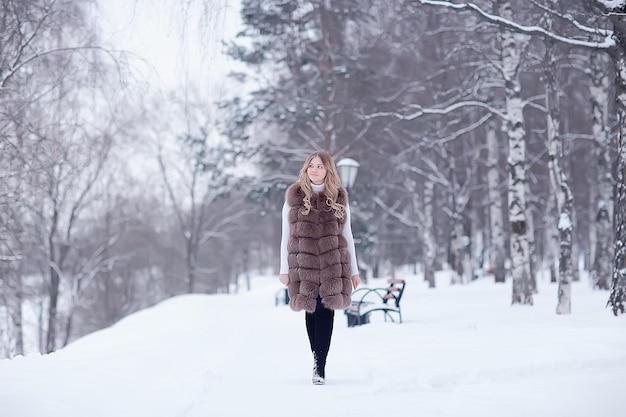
[319, 327]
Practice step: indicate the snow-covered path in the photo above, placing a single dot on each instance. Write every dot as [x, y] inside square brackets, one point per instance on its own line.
[461, 351]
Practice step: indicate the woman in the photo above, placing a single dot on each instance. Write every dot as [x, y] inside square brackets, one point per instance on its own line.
[318, 260]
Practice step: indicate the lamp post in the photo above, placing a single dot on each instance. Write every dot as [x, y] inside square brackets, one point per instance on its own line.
[347, 169]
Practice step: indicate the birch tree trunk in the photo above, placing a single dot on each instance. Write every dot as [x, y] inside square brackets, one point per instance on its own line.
[457, 247]
[512, 46]
[617, 298]
[430, 246]
[602, 231]
[560, 186]
[16, 307]
[423, 209]
[11, 299]
[57, 254]
[552, 240]
[532, 246]
[12, 245]
[496, 222]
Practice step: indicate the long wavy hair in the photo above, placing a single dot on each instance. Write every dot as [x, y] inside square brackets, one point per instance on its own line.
[332, 183]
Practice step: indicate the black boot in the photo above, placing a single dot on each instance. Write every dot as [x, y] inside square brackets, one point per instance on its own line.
[319, 373]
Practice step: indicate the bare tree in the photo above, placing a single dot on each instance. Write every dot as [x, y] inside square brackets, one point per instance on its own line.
[197, 174]
[509, 67]
[609, 40]
[56, 156]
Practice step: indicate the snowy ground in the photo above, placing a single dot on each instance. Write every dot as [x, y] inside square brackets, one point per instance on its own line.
[462, 351]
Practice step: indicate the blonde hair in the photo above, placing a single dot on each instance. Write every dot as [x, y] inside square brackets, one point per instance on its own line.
[332, 184]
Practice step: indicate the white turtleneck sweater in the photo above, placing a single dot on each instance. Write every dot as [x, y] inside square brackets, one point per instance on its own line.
[346, 232]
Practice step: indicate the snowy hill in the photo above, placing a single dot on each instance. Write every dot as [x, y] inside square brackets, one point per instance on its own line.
[462, 351]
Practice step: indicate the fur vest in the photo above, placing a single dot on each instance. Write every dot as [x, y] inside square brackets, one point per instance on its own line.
[319, 260]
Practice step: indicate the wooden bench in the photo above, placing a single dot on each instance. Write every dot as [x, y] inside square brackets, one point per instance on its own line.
[368, 300]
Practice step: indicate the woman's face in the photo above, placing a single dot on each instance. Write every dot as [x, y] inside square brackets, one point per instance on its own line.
[316, 171]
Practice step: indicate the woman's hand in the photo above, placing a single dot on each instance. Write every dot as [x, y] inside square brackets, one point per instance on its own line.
[284, 279]
[356, 281]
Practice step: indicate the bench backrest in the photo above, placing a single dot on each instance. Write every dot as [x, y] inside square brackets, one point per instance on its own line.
[394, 291]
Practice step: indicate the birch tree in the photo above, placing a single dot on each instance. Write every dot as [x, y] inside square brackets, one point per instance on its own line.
[617, 298]
[602, 221]
[12, 239]
[616, 10]
[610, 41]
[559, 183]
[512, 46]
[430, 244]
[496, 222]
[11, 286]
[511, 59]
[44, 44]
[458, 240]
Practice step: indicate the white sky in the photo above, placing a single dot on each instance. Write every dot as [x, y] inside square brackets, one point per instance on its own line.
[461, 351]
[169, 54]
[153, 31]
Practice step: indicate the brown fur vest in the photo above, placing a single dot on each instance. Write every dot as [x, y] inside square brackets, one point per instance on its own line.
[319, 261]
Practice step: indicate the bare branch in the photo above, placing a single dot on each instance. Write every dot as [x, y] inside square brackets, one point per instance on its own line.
[606, 40]
[568, 17]
[40, 55]
[401, 217]
[426, 111]
[170, 191]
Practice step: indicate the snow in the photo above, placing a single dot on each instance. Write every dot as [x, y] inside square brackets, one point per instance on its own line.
[605, 40]
[565, 222]
[612, 4]
[461, 351]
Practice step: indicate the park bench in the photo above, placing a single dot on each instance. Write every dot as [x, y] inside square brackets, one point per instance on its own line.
[281, 296]
[368, 300]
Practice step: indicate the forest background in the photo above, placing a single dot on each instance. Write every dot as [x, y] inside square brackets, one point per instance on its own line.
[488, 136]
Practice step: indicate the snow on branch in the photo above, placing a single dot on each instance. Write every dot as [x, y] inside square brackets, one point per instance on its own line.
[606, 37]
[420, 111]
[573, 21]
[612, 4]
[407, 221]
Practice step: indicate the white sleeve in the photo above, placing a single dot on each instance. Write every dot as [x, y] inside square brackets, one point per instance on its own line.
[347, 233]
[284, 240]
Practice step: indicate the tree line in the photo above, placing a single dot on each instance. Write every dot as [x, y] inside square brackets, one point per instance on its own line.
[488, 135]
[490, 130]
